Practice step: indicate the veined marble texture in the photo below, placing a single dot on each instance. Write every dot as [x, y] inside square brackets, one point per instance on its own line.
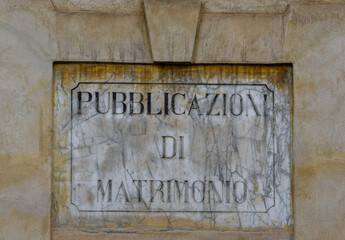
[192, 142]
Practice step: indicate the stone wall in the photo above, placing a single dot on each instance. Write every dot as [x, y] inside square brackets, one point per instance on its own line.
[35, 33]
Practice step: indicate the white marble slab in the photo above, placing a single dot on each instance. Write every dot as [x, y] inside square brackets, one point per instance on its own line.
[182, 146]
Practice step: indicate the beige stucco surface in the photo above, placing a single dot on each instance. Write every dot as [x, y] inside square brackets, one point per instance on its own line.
[308, 34]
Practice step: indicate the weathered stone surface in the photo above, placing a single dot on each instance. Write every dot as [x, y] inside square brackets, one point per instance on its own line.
[26, 120]
[246, 6]
[208, 6]
[113, 6]
[102, 37]
[172, 28]
[315, 43]
[262, 40]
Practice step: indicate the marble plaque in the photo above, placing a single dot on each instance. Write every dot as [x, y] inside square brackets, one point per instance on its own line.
[188, 141]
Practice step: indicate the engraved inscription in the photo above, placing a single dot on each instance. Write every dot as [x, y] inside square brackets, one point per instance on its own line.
[174, 147]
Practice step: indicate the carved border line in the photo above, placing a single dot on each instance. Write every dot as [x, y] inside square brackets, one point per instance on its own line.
[178, 211]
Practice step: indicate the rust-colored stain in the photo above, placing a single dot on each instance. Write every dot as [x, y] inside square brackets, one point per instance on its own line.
[276, 74]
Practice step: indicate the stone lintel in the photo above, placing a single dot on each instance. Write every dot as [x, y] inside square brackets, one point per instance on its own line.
[208, 6]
